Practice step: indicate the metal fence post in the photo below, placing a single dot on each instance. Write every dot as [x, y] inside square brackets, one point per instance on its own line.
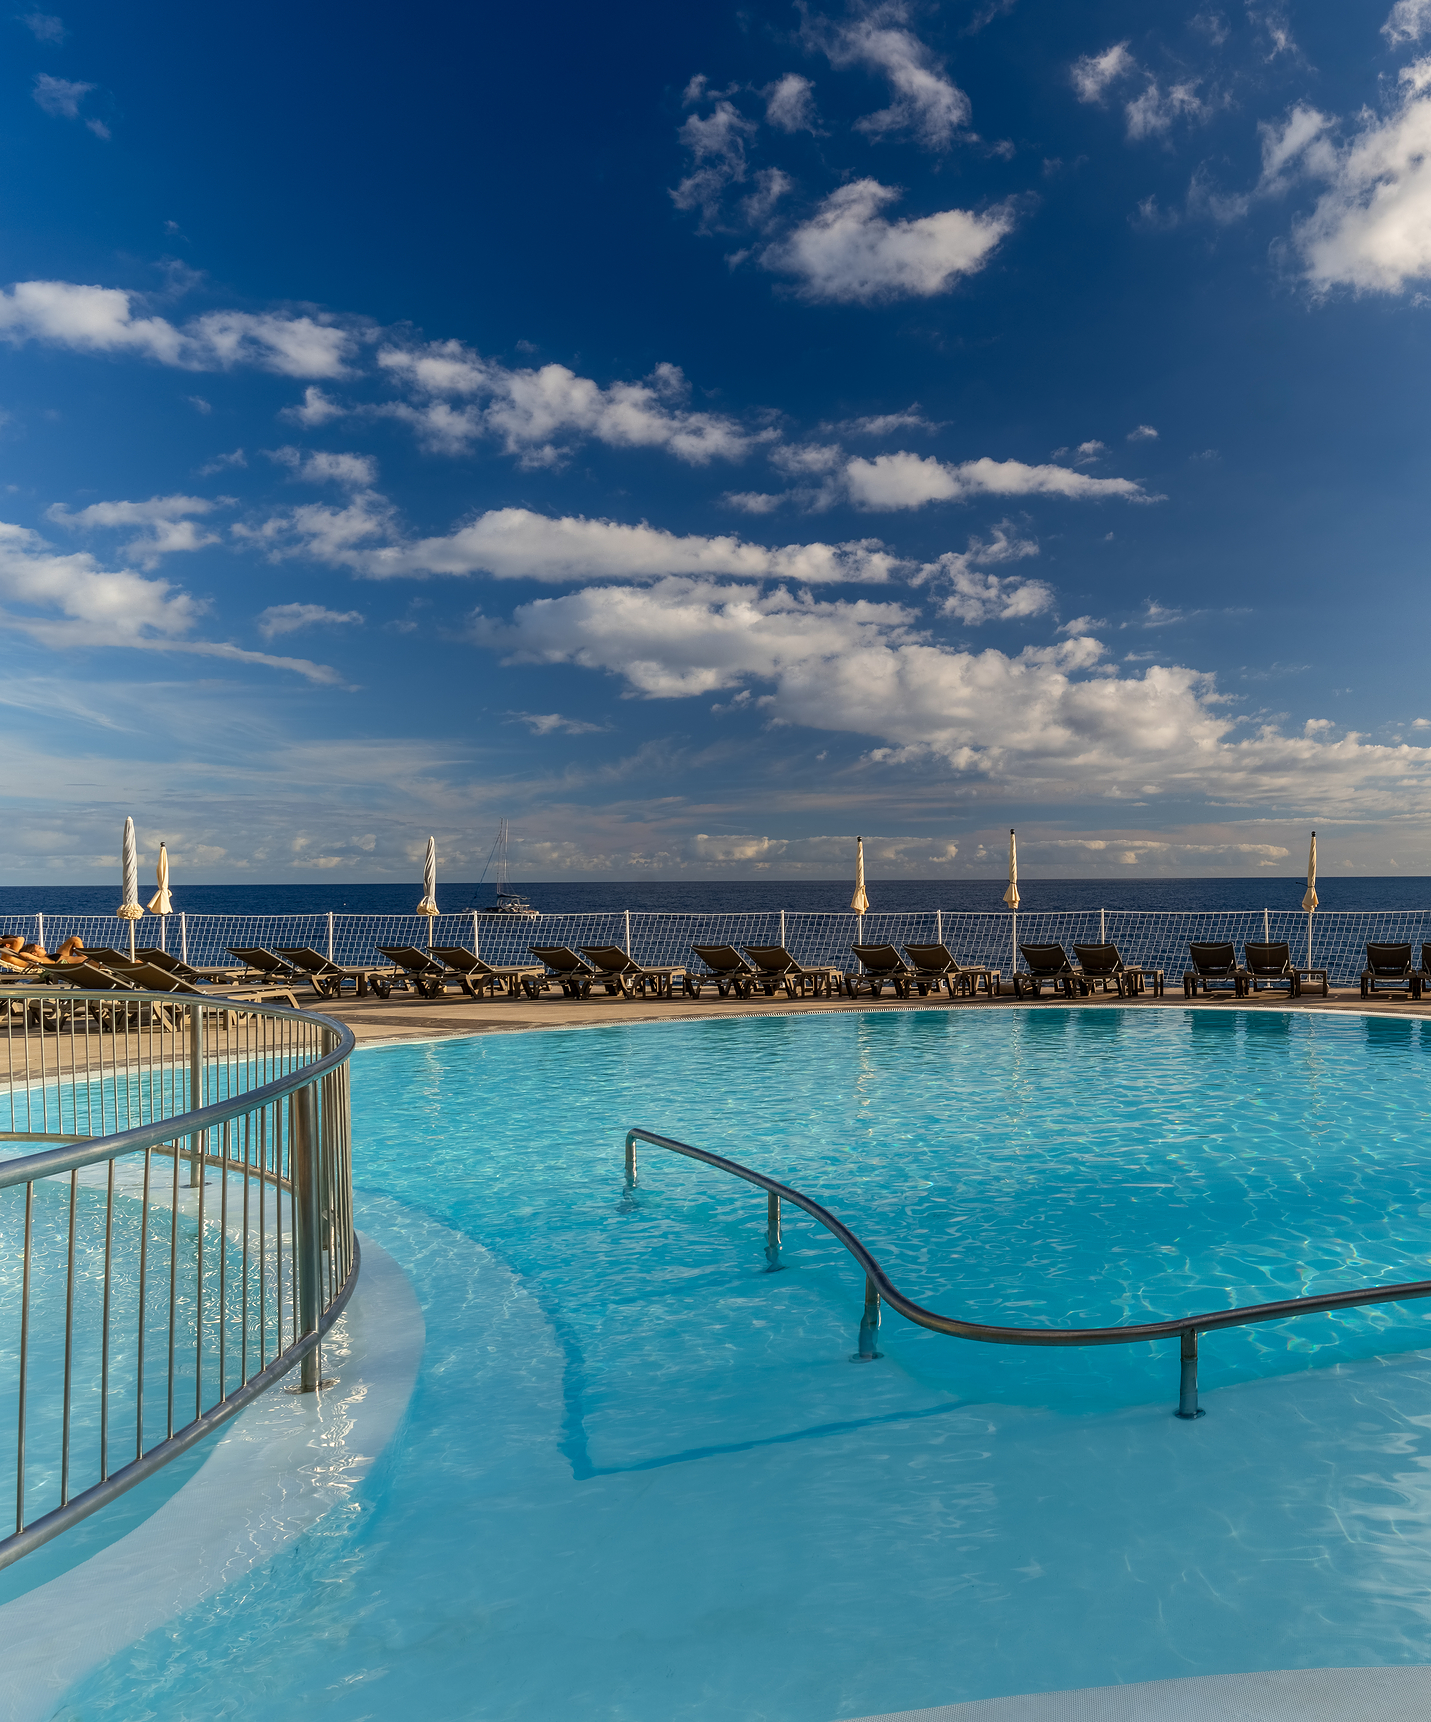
[938, 926]
[628, 933]
[476, 948]
[1102, 926]
[183, 939]
[782, 926]
[306, 1232]
[1266, 935]
[330, 935]
[40, 933]
[196, 1090]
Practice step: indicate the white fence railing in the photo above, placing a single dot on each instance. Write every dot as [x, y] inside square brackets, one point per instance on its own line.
[1155, 939]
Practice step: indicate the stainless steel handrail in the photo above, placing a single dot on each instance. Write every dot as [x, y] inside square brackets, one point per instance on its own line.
[879, 1286]
[246, 1288]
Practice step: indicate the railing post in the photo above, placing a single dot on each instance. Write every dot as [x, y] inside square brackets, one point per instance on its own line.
[196, 1090]
[1102, 926]
[630, 1162]
[772, 1232]
[627, 946]
[782, 926]
[869, 1326]
[183, 939]
[40, 931]
[306, 1231]
[1187, 1387]
[476, 948]
[330, 935]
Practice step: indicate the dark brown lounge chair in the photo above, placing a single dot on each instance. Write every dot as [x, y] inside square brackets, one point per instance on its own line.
[880, 966]
[725, 969]
[933, 966]
[262, 965]
[425, 976]
[1389, 966]
[1102, 966]
[1269, 966]
[612, 963]
[1048, 965]
[513, 979]
[1213, 965]
[775, 967]
[572, 973]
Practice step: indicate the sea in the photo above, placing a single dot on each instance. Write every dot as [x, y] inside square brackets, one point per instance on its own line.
[725, 896]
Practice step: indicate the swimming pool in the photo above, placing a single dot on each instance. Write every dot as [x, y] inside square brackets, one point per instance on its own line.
[640, 1479]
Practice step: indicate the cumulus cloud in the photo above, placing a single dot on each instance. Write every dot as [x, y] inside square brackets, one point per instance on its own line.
[58, 96]
[539, 414]
[163, 522]
[516, 544]
[905, 480]
[925, 100]
[1152, 113]
[1142, 433]
[1093, 74]
[717, 143]
[102, 320]
[352, 471]
[70, 601]
[848, 252]
[44, 26]
[974, 596]
[315, 409]
[1371, 228]
[1408, 21]
[290, 618]
[1055, 721]
[790, 104]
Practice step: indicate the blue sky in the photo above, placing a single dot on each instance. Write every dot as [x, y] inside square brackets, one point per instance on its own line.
[703, 434]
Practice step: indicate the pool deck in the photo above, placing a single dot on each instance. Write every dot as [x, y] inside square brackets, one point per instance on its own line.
[405, 1016]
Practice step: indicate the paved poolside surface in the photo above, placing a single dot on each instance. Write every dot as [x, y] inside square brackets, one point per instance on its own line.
[405, 1016]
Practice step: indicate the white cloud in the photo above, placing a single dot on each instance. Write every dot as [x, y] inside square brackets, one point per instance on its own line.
[67, 602]
[974, 597]
[1152, 114]
[222, 462]
[1408, 21]
[847, 252]
[926, 101]
[44, 26]
[553, 723]
[884, 424]
[537, 414]
[1054, 721]
[316, 409]
[1094, 73]
[717, 144]
[1371, 229]
[102, 320]
[789, 104]
[1285, 144]
[352, 471]
[58, 96]
[906, 480]
[1142, 433]
[163, 520]
[516, 544]
[290, 618]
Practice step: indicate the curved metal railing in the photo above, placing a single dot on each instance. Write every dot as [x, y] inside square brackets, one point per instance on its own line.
[879, 1286]
[183, 1239]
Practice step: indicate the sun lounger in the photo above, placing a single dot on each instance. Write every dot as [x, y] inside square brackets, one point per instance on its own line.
[1102, 966]
[412, 967]
[572, 973]
[775, 967]
[260, 964]
[881, 966]
[1389, 966]
[512, 978]
[162, 960]
[933, 966]
[324, 975]
[1213, 965]
[727, 969]
[1269, 966]
[1048, 965]
[612, 963]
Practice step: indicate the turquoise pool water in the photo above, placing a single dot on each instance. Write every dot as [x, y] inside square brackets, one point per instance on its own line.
[641, 1480]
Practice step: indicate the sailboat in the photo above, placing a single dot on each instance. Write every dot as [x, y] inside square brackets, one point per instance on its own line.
[508, 902]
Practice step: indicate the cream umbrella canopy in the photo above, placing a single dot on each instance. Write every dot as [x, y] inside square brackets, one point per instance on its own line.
[159, 904]
[428, 905]
[859, 902]
[1011, 897]
[1309, 901]
[129, 909]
